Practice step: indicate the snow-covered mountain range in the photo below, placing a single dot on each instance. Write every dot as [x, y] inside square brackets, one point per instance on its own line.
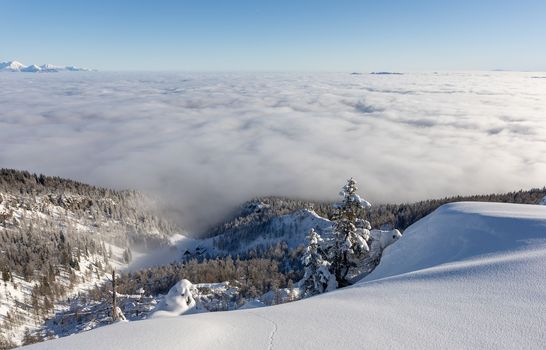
[15, 66]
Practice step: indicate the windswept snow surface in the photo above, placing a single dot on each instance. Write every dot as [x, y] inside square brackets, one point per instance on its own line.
[466, 232]
[470, 275]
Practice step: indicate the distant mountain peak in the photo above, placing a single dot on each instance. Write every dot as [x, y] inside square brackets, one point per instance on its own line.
[11, 65]
[31, 68]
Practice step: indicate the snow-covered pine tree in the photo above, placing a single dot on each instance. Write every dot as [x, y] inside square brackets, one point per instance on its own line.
[351, 234]
[317, 278]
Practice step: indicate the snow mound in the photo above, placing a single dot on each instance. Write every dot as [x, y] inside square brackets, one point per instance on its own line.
[178, 301]
[385, 238]
[468, 276]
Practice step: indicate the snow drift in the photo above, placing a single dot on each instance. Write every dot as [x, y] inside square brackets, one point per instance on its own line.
[178, 301]
[470, 275]
[463, 232]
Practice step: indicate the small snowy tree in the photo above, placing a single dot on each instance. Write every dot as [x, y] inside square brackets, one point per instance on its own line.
[351, 234]
[317, 278]
[179, 300]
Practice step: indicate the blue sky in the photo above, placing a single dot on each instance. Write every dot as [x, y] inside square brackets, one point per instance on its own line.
[312, 35]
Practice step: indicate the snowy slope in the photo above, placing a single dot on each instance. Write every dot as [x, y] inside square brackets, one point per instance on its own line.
[470, 275]
[20, 292]
[464, 231]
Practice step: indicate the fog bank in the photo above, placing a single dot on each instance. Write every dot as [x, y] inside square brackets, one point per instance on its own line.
[206, 142]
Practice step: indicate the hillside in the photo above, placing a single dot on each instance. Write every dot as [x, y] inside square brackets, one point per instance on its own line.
[60, 237]
[122, 218]
[470, 275]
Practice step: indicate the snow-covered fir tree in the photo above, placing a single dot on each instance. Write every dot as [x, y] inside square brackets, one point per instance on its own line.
[317, 277]
[351, 234]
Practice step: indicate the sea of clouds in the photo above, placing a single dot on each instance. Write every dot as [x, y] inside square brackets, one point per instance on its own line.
[206, 142]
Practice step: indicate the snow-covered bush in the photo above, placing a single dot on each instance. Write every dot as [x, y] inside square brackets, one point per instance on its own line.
[385, 238]
[178, 301]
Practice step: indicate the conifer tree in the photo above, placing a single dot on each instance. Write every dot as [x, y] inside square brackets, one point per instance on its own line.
[350, 232]
[317, 278]
[6, 273]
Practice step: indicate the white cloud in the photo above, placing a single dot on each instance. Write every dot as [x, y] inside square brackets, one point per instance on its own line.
[213, 140]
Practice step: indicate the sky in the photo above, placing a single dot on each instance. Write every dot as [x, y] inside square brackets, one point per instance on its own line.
[282, 35]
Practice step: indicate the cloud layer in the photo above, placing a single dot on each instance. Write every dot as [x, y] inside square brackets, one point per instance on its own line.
[206, 142]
